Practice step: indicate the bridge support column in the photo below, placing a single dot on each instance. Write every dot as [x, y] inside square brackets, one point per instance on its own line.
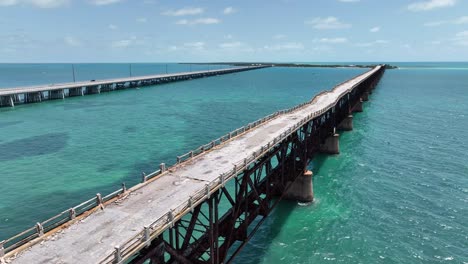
[95, 89]
[56, 94]
[34, 97]
[119, 86]
[75, 92]
[358, 107]
[302, 189]
[331, 145]
[106, 87]
[7, 101]
[346, 124]
[365, 96]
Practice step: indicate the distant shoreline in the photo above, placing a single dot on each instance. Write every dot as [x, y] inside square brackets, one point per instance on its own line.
[299, 65]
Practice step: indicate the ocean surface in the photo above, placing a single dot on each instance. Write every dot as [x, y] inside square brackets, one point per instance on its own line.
[397, 193]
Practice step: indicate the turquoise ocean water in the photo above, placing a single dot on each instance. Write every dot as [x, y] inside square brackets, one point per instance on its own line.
[397, 193]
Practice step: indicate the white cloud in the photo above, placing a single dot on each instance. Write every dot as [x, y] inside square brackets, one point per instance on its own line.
[374, 29]
[104, 2]
[72, 41]
[195, 45]
[458, 21]
[189, 46]
[406, 46]
[373, 43]
[121, 43]
[231, 45]
[113, 27]
[279, 36]
[330, 22]
[463, 34]
[431, 4]
[285, 46]
[142, 20]
[202, 21]
[461, 38]
[36, 3]
[8, 2]
[186, 11]
[228, 36]
[124, 43]
[333, 40]
[235, 47]
[229, 10]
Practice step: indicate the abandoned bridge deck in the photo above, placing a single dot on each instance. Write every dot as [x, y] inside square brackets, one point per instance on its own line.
[9, 97]
[112, 234]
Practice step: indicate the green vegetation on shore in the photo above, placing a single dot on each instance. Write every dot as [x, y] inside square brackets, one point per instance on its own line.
[302, 65]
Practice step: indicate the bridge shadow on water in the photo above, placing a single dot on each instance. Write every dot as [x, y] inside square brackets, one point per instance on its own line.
[258, 247]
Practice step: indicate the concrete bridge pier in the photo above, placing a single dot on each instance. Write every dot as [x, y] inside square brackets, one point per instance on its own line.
[56, 94]
[94, 89]
[358, 107]
[346, 124]
[34, 97]
[119, 86]
[145, 82]
[7, 100]
[106, 87]
[302, 189]
[16, 99]
[75, 92]
[134, 84]
[331, 145]
[365, 96]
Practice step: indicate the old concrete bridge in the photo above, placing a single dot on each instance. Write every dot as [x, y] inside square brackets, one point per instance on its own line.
[205, 207]
[9, 97]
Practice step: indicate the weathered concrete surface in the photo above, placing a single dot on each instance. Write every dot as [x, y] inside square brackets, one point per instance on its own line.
[358, 107]
[95, 237]
[302, 189]
[331, 145]
[365, 96]
[346, 124]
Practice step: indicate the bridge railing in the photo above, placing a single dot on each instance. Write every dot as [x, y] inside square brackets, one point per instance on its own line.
[142, 239]
[150, 232]
[158, 226]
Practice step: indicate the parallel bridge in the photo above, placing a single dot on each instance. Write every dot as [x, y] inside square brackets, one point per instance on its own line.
[205, 207]
[9, 97]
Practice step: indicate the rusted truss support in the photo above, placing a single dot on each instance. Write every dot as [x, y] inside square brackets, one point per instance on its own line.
[217, 229]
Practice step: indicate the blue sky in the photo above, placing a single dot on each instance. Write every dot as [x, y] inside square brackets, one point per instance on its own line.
[224, 30]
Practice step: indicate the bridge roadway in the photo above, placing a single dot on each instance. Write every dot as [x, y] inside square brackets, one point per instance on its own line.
[33, 94]
[93, 238]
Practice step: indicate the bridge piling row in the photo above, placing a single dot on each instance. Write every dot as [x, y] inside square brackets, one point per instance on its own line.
[280, 173]
[10, 97]
[56, 94]
[213, 223]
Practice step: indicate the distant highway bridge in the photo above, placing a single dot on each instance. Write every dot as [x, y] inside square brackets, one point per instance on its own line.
[9, 97]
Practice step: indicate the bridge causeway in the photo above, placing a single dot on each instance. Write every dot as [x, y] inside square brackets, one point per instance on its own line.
[205, 207]
[9, 97]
